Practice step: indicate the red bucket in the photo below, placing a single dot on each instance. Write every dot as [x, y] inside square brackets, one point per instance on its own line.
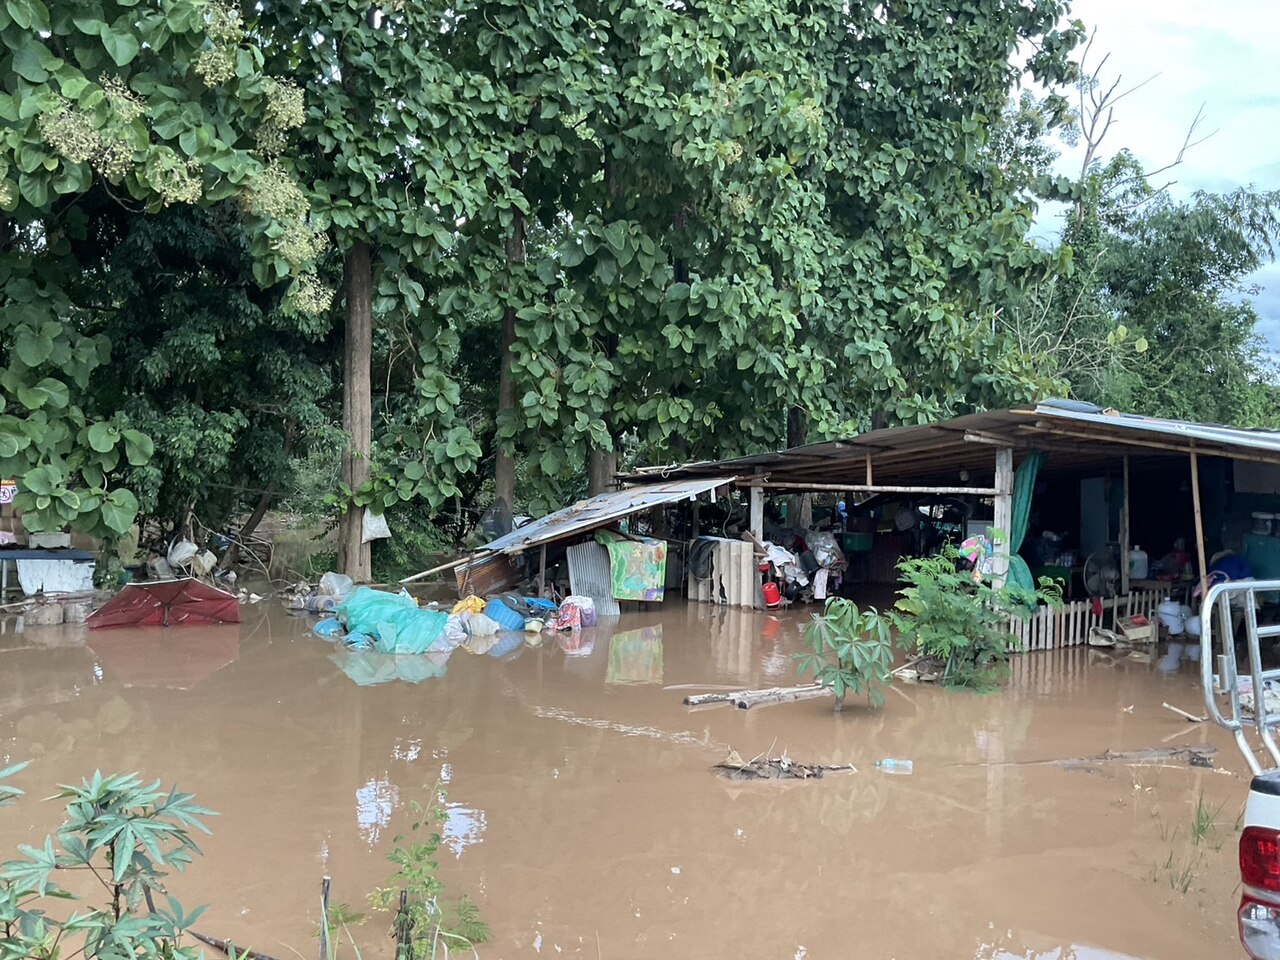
[771, 595]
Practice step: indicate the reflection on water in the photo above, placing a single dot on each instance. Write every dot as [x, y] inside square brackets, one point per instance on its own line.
[635, 656]
[1069, 952]
[375, 802]
[462, 827]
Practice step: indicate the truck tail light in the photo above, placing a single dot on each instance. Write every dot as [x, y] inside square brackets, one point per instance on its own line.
[1260, 858]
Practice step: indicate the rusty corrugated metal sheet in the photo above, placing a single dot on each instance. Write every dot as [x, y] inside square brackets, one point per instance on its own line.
[491, 574]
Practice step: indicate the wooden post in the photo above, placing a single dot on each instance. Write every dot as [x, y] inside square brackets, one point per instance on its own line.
[325, 953]
[354, 558]
[1195, 499]
[542, 571]
[1124, 531]
[757, 513]
[869, 479]
[1004, 512]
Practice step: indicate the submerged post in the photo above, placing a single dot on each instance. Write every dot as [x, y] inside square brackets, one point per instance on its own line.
[324, 919]
[1003, 513]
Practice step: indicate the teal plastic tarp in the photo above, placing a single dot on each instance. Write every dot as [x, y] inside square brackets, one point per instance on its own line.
[394, 622]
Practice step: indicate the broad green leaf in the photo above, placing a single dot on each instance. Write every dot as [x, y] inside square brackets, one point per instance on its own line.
[121, 46]
[103, 437]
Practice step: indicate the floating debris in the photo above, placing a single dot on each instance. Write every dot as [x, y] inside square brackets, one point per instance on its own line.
[733, 767]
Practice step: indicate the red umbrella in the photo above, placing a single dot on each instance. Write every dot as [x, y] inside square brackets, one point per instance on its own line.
[165, 602]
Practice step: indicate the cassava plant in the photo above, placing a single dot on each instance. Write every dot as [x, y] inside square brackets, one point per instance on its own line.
[960, 619]
[426, 926]
[849, 650]
[125, 836]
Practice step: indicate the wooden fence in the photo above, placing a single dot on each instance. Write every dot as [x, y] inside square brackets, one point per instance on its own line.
[1069, 626]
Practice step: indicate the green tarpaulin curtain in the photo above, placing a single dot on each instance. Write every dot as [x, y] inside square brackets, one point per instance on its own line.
[1024, 484]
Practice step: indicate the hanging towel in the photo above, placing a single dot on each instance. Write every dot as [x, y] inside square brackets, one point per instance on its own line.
[820, 584]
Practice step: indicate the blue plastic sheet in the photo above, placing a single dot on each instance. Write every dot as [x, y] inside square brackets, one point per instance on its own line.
[394, 622]
[329, 628]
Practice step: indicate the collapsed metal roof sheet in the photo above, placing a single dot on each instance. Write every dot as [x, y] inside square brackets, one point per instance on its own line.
[600, 511]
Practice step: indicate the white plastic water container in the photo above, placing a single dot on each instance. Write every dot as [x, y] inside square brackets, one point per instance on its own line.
[1264, 523]
[1170, 613]
[1138, 563]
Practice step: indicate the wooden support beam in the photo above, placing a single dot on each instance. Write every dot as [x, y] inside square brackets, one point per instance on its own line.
[756, 525]
[1124, 532]
[869, 488]
[870, 479]
[1004, 512]
[1195, 499]
[977, 436]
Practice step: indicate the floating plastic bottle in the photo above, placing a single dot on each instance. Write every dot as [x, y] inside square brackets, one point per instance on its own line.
[891, 765]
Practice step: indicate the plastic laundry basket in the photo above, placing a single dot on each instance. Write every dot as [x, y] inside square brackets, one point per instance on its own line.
[503, 616]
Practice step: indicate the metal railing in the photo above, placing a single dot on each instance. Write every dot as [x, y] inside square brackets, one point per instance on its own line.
[1216, 621]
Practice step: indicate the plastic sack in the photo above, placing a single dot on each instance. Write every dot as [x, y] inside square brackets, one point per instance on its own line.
[503, 616]
[455, 629]
[394, 621]
[330, 628]
[374, 527]
[584, 604]
[478, 625]
[203, 562]
[569, 617]
[357, 641]
[538, 607]
[825, 550]
[335, 584]
[180, 553]
[471, 604]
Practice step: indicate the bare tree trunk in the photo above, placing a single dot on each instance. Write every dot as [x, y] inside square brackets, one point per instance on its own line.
[602, 465]
[800, 506]
[232, 556]
[504, 468]
[357, 408]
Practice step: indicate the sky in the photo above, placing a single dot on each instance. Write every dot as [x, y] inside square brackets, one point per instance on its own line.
[1219, 53]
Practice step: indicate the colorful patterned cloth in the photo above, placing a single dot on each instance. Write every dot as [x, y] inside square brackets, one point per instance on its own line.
[638, 567]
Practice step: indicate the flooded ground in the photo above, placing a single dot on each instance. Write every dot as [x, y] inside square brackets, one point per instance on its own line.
[583, 816]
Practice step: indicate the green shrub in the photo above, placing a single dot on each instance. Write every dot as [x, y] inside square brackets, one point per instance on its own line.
[962, 620]
[849, 650]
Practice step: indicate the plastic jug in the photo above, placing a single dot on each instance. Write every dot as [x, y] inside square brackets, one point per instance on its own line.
[1138, 563]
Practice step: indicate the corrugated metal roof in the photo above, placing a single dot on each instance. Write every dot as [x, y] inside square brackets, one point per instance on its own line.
[1191, 433]
[601, 511]
[1084, 431]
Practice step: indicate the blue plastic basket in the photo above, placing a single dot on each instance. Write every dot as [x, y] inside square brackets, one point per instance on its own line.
[503, 616]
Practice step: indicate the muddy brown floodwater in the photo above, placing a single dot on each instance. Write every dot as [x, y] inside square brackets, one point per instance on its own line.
[583, 816]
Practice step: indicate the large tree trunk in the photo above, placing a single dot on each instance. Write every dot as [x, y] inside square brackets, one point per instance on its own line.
[800, 506]
[504, 468]
[357, 408]
[602, 466]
